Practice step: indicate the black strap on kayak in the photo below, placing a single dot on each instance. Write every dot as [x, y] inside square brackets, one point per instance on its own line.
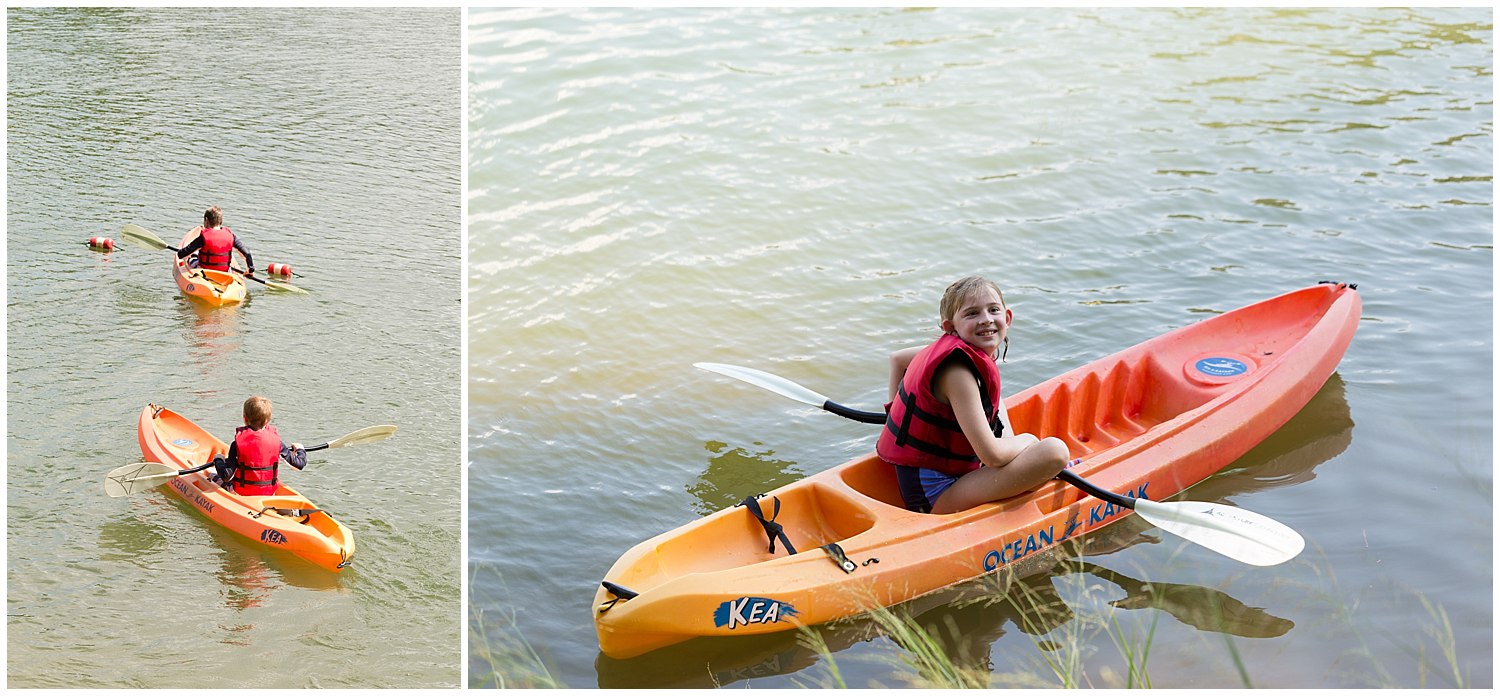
[621, 594]
[843, 561]
[1352, 286]
[839, 559]
[774, 531]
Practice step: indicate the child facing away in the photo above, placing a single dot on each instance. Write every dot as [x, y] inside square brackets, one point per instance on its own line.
[946, 430]
[256, 452]
[215, 243]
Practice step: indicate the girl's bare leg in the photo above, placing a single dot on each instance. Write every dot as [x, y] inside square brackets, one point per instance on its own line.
[1031, 468]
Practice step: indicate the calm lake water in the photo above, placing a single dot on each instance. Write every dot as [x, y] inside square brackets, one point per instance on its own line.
[791, 190]
[331, 138]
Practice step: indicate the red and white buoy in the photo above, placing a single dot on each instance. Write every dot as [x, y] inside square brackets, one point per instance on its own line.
[101, 244]
[280, 269]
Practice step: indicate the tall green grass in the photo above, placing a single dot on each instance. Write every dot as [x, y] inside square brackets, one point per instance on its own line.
[501, 657]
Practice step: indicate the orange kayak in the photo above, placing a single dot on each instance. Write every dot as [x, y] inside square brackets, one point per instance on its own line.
[214, 287]
[285, 520]
[1147, 422]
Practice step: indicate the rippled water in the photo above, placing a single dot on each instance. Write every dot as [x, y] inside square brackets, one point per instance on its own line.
[792, 189]
[330, 138]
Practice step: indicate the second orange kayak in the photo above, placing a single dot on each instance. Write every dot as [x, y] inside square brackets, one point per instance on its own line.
[1148, 422]
[214, 287]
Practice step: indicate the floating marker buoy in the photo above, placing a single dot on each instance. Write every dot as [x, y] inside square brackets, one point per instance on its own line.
[101, 244]
[280, 269]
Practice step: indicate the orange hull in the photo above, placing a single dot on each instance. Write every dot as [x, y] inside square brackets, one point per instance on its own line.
[1148, 422]
[172, 439]
[214, 287]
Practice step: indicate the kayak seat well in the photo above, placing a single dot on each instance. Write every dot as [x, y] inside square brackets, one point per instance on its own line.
[811, 515]
[1102, 408]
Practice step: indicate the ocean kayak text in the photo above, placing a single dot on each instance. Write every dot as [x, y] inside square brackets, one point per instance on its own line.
[1038, 539]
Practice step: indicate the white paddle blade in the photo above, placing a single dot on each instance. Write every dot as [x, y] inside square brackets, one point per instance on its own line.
[140, 236]
[137, 477]
[284, 287]
[766, 380]
[1240, 534]
[374, 433]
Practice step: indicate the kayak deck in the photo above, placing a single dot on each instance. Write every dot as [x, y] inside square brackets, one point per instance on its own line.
[276, 521]
[217, 288]
[1148, 422]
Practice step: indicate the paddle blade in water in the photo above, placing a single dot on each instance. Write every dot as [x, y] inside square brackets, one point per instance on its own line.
[766, 380]
[1235, 532]
[136, 477]
[284, 287]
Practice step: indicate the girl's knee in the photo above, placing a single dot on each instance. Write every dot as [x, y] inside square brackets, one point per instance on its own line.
[1056, 452]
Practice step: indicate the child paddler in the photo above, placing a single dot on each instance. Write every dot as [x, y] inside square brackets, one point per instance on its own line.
[256, 453]
[215, 243]
[946, 430]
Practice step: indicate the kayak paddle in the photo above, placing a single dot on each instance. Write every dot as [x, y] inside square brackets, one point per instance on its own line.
[1240, 534]
[133, 478]
[143, 237]
[363, 436]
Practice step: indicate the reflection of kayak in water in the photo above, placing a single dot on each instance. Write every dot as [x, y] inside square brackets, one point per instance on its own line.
[1148, 422]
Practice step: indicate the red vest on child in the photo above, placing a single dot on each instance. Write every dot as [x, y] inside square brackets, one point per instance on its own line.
[258, 452]
[218, 242]
[921, 431]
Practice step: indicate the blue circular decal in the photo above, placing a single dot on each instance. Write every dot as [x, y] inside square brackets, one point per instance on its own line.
[183, 442]
[1221, 367]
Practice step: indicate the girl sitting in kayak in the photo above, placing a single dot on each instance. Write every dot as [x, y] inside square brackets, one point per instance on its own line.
[256, 452]
[215, 243]
[946, 430]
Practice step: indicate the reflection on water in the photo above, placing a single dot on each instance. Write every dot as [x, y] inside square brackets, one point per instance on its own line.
[135, 540]
[732, 470]
[1319, 432]
[968, 619]
[212, 335]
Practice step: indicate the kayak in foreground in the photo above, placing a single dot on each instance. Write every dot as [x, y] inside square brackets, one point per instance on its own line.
[1147, 423]
[285, 520]
[214, 287]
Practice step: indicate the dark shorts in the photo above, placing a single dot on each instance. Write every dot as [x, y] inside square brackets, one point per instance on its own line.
[920, 488]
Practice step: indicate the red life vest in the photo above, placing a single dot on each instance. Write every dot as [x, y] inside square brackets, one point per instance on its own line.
[921, 431]
[257, 453]
[218, 243]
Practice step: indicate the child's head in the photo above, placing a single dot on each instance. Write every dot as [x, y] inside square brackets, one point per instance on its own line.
[963, 289]
[973, 309]
[257, 412]
[213, 217]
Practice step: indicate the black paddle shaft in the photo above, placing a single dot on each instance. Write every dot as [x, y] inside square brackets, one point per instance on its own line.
[870, 417]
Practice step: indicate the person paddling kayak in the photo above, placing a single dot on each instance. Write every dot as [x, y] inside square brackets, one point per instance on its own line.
[215, 244]
[256, 452]
[946, 430]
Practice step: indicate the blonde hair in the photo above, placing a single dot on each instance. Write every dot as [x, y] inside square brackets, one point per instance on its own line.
[257, 412]
[961, 290]
[213, 217]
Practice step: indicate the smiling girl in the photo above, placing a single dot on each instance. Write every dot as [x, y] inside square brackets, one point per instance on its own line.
[946, 428]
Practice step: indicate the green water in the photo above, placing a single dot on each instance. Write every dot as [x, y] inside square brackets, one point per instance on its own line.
[792, 189]
[330, 138]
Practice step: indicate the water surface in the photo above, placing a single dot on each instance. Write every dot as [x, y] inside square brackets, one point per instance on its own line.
[331, 139]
